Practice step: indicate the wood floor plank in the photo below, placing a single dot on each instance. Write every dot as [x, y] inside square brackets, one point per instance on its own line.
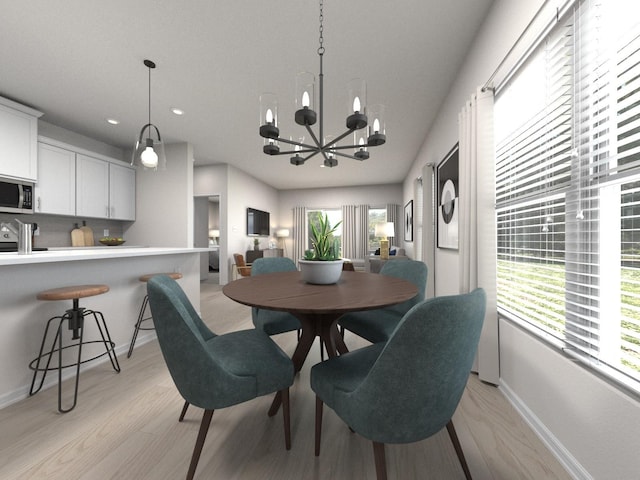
[126, 427]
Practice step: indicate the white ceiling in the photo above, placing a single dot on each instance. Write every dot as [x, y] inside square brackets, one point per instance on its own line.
[80, 62]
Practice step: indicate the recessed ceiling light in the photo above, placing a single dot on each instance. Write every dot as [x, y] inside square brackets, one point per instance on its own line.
[113, 121]
[177, 111]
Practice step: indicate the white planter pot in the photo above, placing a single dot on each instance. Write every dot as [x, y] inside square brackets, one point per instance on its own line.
[319, 272]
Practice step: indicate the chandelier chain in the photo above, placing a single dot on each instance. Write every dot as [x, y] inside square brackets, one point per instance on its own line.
[321, 29]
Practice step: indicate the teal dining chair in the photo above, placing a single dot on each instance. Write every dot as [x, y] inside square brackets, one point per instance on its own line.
[215, 371]
[408, 388]
[377, 325]
[270, 321]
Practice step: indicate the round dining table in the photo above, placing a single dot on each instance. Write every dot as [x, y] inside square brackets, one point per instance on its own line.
[318, 307]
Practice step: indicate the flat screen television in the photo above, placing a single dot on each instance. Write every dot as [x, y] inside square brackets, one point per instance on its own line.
[257, 223]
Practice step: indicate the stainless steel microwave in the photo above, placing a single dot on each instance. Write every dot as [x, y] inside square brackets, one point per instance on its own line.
[16, 196]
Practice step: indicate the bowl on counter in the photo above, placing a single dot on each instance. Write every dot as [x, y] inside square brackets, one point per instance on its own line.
[111, 242]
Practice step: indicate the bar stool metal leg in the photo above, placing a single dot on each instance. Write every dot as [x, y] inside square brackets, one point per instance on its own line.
[75, 318]
[138, 326]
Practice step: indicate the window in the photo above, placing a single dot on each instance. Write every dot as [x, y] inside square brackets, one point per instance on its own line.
[376, 215]
[568, 188]
[335, 216]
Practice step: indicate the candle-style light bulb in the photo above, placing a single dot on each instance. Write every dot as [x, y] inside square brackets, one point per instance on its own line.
[356, 104]
[376, 125]
[305, 99]
[269, 116]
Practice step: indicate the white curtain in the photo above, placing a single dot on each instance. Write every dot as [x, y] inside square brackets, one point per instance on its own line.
[477, 221]
[363, 232]
[392, 216]
[429, 226]
[349, 232]
[299, 232]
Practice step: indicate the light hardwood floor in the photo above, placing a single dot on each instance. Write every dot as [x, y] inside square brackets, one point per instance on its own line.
[126, 427]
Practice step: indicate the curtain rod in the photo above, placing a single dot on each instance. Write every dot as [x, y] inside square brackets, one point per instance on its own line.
[487, 85]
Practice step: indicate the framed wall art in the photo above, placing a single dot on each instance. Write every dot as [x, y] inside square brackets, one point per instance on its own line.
[408, 221]
[447, 200]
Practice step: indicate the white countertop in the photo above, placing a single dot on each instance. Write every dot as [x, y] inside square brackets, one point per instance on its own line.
[96, 253]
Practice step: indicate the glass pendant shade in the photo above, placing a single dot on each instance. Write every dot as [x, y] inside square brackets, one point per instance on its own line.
[148, 152]
[356, 104]
[360, 139]
[297, 160]
[269, 116]
[330, 154]
[376, 129]
[305, 99]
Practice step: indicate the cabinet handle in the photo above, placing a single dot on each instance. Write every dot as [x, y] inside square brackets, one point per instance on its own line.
[39, 204]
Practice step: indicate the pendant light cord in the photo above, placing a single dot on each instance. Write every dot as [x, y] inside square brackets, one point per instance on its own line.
[149, 68]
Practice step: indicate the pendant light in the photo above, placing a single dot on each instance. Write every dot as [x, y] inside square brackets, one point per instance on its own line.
[149, 152]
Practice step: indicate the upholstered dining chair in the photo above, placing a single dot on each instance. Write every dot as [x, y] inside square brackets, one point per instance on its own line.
[408, 388]
[377, 325]
[243, 269]
[215, 371]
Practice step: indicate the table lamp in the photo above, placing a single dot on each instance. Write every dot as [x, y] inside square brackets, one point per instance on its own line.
[213, 235]
[282, 234]
[384, 230]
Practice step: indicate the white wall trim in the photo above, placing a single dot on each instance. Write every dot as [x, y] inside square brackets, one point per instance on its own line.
[568, 461]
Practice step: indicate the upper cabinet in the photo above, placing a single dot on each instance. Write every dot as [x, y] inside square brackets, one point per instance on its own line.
[18, 141]
[122, 192]
[55, 191]
[75, 182]
[92, 187]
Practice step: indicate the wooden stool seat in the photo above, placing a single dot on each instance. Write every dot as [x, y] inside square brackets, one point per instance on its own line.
[74, 318]
[173, 275]
[143, 308]
[72, 292]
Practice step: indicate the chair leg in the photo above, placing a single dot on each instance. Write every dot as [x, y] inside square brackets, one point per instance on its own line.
[197, 450]
[286, 414]
[456, 444]
[136, 329]
[319, 405]
[379, 458]
[184, 411]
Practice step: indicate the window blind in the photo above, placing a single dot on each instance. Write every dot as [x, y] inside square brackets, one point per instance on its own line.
[568, 187]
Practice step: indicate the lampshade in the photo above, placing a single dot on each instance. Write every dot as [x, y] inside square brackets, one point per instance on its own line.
[283, 232]
[384, 230]
[214, 233]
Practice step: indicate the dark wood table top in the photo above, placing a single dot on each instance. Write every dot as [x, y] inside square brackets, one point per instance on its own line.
[285, 291]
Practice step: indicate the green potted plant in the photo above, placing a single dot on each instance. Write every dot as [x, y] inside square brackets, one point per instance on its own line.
[322, 265]
[256, 244]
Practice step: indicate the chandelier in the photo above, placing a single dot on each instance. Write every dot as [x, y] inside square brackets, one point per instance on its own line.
[305, 115]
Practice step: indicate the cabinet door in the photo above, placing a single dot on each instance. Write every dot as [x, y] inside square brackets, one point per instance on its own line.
[122, 192]
[56, 188]
[18, 144]
[92, 187]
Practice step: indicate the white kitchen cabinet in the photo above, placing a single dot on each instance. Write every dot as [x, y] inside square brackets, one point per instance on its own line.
[55, 191]
[92, 187]
[18, 140]
[122, 192]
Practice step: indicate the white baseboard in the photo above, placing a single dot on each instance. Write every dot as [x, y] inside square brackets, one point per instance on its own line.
[568, 461]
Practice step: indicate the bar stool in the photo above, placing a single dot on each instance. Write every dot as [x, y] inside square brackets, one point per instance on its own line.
[75, 318]
[143, 308]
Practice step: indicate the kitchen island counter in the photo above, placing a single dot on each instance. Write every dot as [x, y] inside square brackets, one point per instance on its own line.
[92, 253]
[24, 317]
